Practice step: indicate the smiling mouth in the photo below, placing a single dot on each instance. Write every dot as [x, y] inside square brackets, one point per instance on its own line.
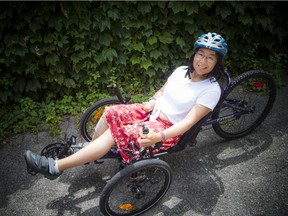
[202, 67]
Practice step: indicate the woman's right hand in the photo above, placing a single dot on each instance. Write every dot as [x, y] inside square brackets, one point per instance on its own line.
[148, 106]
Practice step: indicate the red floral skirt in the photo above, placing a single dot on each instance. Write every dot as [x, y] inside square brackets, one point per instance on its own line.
[125, 124]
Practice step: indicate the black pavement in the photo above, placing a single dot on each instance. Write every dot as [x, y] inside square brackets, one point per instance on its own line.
[247, 176]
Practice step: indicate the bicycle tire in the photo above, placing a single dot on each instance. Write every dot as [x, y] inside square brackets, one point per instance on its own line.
[131, 190]
[91, 116]
[253, 90]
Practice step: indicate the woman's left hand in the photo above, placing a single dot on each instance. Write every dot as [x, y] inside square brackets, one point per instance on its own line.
[146, 140]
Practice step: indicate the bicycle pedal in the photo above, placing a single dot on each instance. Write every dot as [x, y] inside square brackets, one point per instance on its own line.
[31, 172]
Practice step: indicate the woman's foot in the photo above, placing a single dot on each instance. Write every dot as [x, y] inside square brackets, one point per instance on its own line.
[41, 164]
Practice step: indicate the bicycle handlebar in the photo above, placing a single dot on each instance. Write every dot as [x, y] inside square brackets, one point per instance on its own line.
[119, 95]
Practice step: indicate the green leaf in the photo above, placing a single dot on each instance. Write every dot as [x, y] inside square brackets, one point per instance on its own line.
[4, 95]
[176, 6]
[105, 39]
[11, 39]
[33, 85]
[104, 24]
[49, 38]
[139, 46]
[180, 42]
[166, 38]
[51, 59]
[144, 7]
[113, 14]
[20, 84]
[59, 78]
[69, 83]
[223, 10]
[152, 40]
[109, 54]
[35, 25]
[155, 54]
[75, 57]
[79, 46]
[206, 3]
[246, 20]
[146, 63]
[135, 60]
[191, 8]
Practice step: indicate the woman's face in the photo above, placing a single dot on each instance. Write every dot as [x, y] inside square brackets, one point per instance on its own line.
[204, 61]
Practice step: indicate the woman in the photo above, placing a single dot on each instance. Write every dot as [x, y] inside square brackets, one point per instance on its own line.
[189, 94]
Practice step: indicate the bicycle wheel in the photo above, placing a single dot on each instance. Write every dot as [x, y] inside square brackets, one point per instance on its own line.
[136, 188]
[91, 116]
[246, 104]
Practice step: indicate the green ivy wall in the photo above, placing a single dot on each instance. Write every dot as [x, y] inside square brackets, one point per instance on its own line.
[66, 53]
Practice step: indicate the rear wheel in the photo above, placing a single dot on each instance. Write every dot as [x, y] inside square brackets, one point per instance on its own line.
[136, 188]
[92, 115]
[246, 104]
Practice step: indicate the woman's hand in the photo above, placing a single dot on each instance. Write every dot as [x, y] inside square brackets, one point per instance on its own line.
[146, 140]
[148, 106]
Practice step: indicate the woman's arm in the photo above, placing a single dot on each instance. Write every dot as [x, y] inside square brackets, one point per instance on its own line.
[196, 114]
[149, 106]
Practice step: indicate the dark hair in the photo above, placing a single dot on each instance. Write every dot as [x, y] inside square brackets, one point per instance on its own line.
[217, 71]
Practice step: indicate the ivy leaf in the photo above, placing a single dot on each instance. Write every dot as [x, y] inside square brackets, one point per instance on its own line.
[191, 8]
[113, 14]
[49, 38]
[152, 40]
[191, 28]
[135, 60]
[75, 57]
[224, 11]
[69, 83]
[20, 84]
[109, 54]
[206, 3]
[79, 46]
[246, 20]
[105, 39]
[59, 79]
[4, 95]
[180, 42]
[51, 60]
[176, 6]
[166, 38]
[35, 25]
[139, 46]
[155, 54]
[33, 85]
[144, 7]
[104, 24]
[146, 63]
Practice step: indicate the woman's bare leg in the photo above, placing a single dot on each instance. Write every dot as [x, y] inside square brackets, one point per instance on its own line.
[100, 128]
[95, 150]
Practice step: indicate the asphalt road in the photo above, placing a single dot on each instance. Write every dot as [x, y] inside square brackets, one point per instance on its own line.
[247, 176]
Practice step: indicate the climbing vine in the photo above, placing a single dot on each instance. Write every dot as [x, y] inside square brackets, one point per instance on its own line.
[62, 55]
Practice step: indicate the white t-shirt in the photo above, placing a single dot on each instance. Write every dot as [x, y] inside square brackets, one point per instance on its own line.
[180, 95]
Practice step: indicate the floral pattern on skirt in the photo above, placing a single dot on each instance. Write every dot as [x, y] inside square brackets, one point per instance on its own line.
[125, 124]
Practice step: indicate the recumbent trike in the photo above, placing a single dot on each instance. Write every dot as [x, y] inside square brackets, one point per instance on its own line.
[138, 186]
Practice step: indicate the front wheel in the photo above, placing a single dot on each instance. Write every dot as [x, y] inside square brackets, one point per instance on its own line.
[92, 115]
[136, 188]
[246, 104]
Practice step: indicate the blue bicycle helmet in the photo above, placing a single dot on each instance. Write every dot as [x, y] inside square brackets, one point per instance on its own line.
[212, 41]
